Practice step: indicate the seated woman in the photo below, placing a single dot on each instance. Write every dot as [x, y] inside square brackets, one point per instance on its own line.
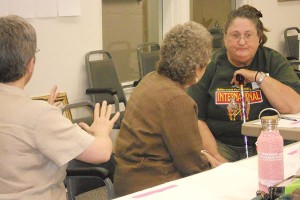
[269, 82]
[159, 139]
[37, 141]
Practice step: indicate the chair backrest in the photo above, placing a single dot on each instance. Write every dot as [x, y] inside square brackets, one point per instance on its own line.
[102, 74]
[291, 42]
[148, 55]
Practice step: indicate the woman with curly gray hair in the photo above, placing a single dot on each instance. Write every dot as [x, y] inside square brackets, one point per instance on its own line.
[186, 49]
[159, 139]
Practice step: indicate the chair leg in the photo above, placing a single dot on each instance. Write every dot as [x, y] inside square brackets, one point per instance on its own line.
[70, 192]
[110, 189]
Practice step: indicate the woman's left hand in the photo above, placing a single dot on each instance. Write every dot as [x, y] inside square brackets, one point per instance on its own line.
[214, 161]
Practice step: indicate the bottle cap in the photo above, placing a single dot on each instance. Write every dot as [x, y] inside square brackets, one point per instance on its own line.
[269, 119]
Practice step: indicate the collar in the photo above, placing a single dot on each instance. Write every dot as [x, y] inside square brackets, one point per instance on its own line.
[11, 90]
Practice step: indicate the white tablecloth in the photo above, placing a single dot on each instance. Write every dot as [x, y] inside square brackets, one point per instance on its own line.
[230, 181]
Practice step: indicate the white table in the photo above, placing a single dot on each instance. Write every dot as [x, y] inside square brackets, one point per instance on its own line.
[253, 128]
[230, 181]
[289, 130]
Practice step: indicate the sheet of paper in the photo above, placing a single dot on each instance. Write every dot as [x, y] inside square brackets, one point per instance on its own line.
[293, 116]
[69, 7]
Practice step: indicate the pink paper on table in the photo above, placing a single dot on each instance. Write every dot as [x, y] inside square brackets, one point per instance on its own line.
[154, 191]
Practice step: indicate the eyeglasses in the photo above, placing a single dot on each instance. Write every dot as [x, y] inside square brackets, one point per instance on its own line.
[237, 36]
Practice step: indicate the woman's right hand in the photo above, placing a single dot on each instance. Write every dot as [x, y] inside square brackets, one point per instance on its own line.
[249, 76]
[102, 123]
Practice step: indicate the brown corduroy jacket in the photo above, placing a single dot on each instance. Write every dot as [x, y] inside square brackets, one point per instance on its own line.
[159, 139]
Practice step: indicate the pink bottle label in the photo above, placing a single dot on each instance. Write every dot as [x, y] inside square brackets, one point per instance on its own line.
[270, 159]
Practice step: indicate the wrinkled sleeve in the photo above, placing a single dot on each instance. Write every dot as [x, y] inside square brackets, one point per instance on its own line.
[59, 139]
[182, 137]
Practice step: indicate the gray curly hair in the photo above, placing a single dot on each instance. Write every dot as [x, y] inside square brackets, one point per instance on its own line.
[184, 47]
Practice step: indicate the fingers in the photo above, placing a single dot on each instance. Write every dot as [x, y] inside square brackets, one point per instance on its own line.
[53, 90]
[248, 75]
[84, 126]
[115, 118]
[53, 95]
[108, 111]
[57, 104]
[213, 161]
[103, 109]
[234, 78]
[96, 111]
[206, 154]
[105, 112]
[232, 81]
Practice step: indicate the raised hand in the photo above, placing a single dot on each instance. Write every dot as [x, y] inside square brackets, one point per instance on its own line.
[102, 123]
[53, 95]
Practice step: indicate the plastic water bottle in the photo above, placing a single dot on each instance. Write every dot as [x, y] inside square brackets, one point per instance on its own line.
[270, 154]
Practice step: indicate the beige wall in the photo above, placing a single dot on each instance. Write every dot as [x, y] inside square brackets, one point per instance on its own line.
[63, 42]
[174, 12]
[276, 17]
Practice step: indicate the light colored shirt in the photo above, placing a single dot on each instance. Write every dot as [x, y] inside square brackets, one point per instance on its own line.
[36, 143]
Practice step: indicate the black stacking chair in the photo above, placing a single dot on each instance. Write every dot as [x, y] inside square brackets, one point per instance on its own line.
[292, 47]
[292, 42]
[148, 55]
[84, 177]
[104, 82]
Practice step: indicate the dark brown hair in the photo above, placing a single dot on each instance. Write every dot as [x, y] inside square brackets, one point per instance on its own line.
[252, 14]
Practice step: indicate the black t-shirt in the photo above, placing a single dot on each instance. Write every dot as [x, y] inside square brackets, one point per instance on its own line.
[219, 102]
